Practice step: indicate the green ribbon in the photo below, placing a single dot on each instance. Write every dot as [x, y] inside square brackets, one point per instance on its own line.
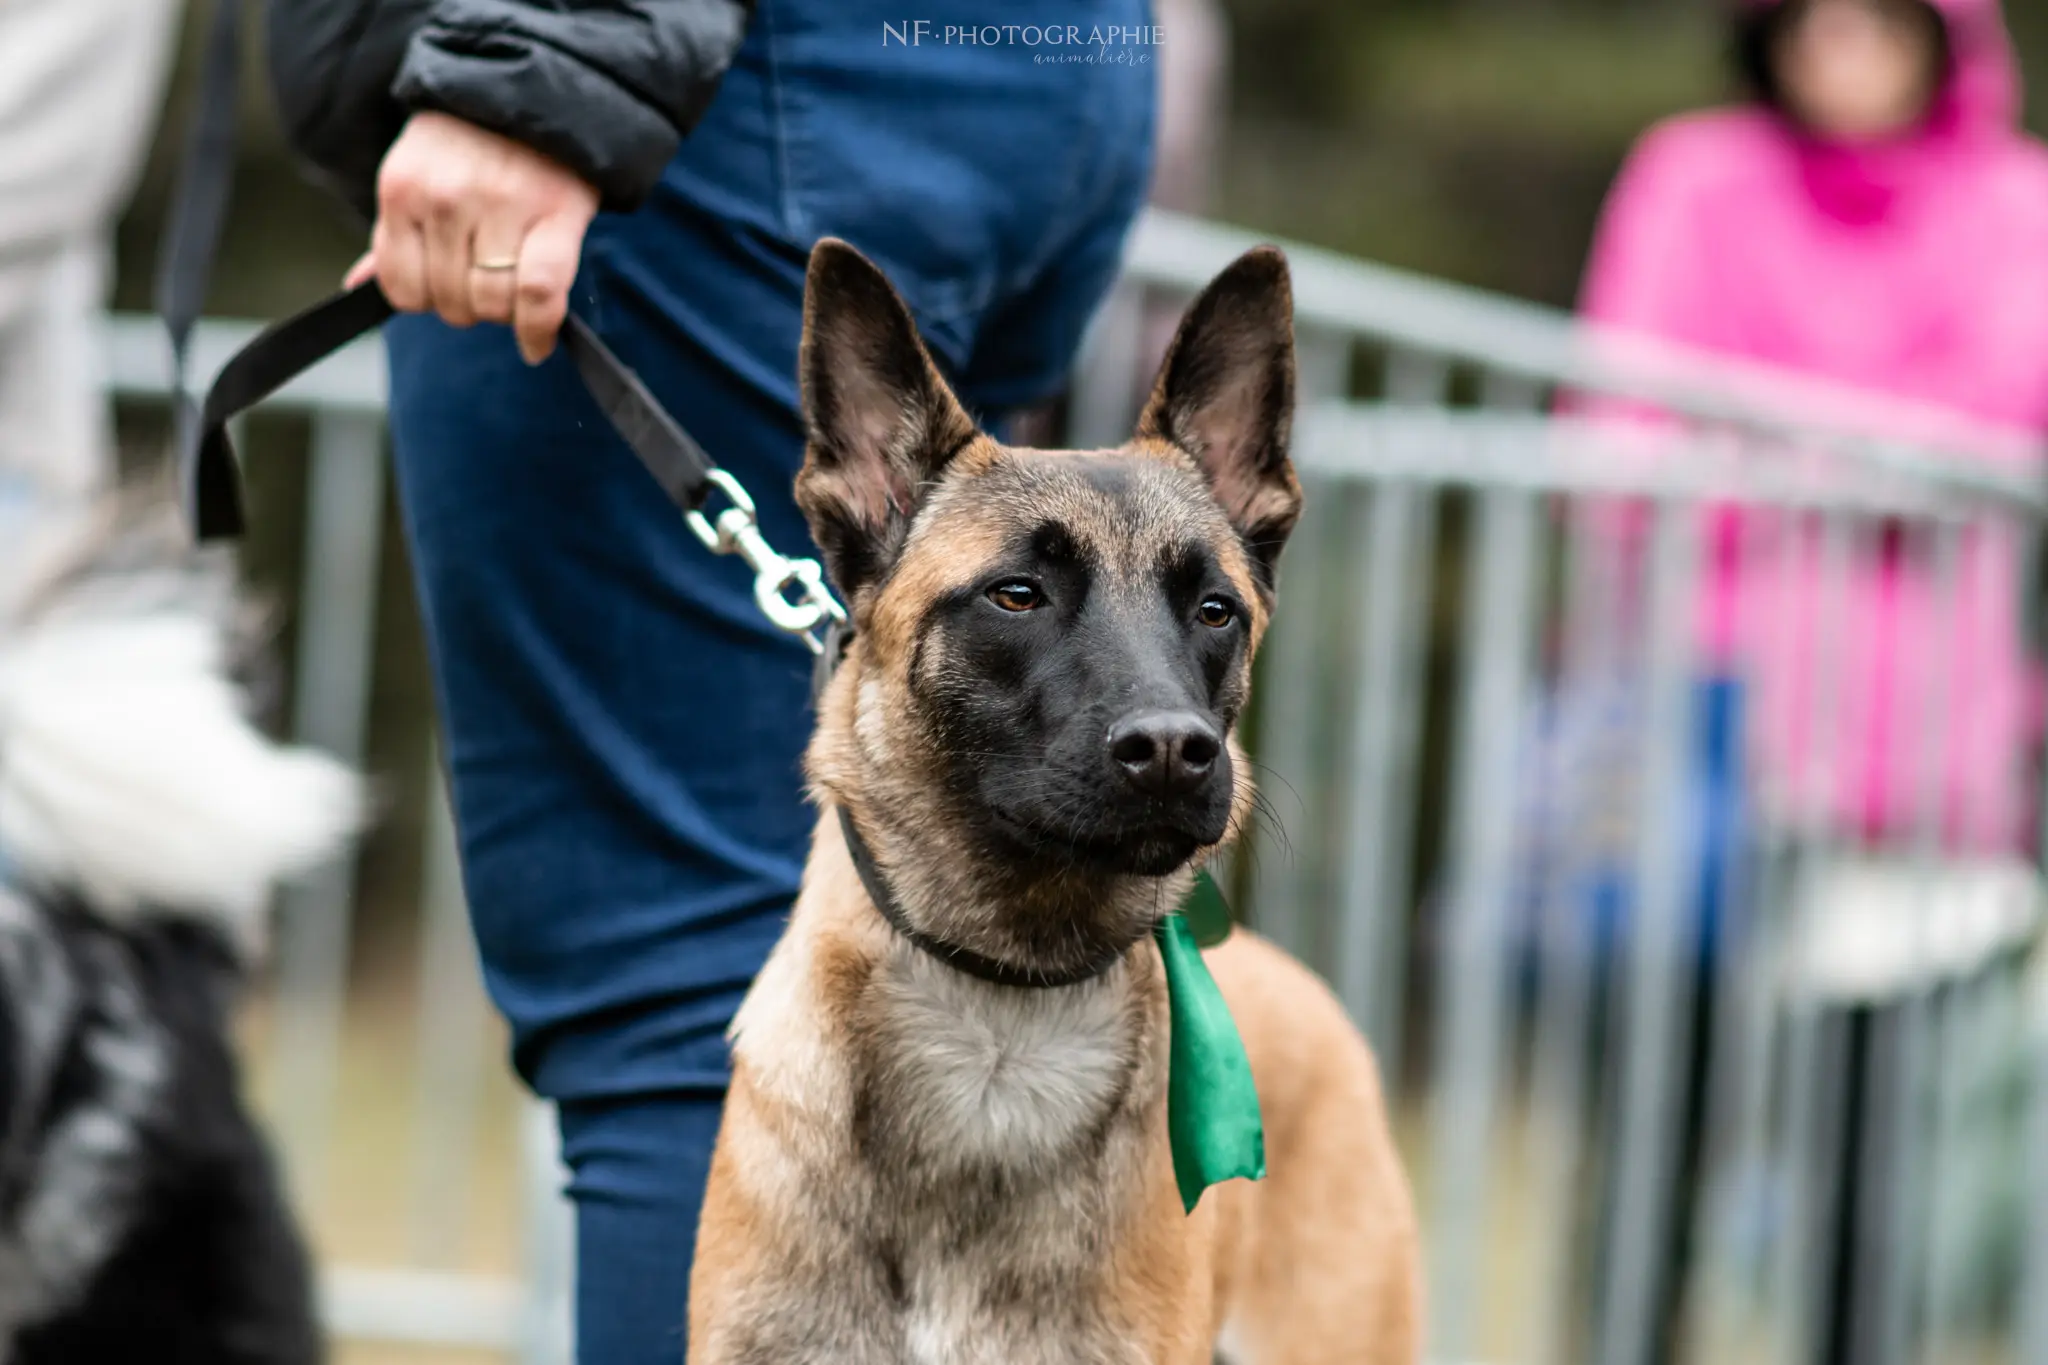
[1212, 1107]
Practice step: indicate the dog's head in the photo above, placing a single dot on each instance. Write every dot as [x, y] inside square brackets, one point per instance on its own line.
[1053, 649]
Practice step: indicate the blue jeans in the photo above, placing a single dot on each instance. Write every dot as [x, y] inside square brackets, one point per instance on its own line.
[623, 730]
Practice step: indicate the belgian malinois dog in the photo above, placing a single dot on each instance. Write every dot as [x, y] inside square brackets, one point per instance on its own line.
[947, 1140]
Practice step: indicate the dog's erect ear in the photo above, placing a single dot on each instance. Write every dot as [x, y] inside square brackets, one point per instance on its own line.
[1226, 396]
[881, 422]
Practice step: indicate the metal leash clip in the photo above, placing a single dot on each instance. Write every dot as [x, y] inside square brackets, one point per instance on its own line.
[736, 532]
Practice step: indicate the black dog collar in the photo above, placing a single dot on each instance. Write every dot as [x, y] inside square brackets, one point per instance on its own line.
[960, 959]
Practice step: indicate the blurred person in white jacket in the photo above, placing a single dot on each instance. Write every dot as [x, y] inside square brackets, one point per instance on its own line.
[81, 87]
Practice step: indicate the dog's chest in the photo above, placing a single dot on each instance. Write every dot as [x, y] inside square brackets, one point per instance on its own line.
[969, 1075]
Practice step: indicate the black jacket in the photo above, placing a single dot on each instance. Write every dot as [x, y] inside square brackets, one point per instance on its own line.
[607, 87]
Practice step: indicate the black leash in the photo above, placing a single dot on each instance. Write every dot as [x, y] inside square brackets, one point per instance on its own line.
[184, 266]
[285, 350]
[790, 592]
[280, 353]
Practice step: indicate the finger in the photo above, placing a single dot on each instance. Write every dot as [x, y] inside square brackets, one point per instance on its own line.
[447, 232]
[364, 269]
[547, 268]
[493, 270]
[402, 267]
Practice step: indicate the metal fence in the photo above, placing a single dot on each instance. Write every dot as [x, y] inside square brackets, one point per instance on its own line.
[1680, 1070]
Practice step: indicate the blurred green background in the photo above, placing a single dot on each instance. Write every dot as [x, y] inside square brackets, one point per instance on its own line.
[1465, 138]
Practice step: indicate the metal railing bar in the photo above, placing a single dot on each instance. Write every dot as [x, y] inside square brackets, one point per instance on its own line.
[1540, 453]
[1561, 1090]
[1106, 377]
[2032, 1336]
[337, 625]
[1657, 1009]
[1803, 1253]
[424, 1308]
[354, 380]
[449, 1051]
[1362, 301]
[1375, 851]
[1912, 1187]
[547, 1335]
[1472, 1018]
[1286, 835]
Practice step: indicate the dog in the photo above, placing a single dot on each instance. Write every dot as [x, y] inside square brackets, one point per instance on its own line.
[1027, 751]
[144, 821]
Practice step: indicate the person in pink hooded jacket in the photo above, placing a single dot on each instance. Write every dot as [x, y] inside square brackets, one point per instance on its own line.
[1875, 218]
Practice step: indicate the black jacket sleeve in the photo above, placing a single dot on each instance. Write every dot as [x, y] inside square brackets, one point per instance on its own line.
[607, 87]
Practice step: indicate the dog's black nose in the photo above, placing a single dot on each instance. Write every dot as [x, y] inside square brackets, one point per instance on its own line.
[1165, 753]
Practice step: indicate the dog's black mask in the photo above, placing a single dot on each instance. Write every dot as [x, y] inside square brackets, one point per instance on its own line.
[1083, 686]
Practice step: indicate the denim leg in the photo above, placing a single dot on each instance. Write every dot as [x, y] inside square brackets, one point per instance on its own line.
[642, 1164]
[623, 736]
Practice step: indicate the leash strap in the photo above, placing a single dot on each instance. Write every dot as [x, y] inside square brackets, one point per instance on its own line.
[285, 350]
[671, 454]
[184, 267]
[279, 354]
[790, 592]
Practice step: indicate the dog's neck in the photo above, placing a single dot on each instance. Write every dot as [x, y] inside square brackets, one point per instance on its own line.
[938, 1076]
[995, 972]
[1051, 919]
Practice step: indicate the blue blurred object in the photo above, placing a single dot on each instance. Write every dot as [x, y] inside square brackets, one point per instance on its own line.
[1585, 822]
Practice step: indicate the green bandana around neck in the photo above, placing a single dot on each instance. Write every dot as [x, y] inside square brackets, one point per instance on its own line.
[1212, 1106]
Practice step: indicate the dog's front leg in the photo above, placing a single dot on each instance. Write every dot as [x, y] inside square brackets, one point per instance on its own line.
[775, 1284]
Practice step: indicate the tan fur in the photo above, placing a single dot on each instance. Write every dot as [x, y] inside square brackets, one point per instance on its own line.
[1317, 1263]
[918, 1166]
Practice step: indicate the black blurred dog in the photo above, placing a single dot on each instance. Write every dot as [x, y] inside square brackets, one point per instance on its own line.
[144, 821]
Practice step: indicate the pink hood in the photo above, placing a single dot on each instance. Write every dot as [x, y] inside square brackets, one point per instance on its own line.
[1917, 269]
[1981, 104]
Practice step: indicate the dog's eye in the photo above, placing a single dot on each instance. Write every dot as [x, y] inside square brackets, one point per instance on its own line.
[1215, 613]
[1017, 596]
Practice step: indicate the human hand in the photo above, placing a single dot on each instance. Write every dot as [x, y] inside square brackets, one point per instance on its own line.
[477, 228]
